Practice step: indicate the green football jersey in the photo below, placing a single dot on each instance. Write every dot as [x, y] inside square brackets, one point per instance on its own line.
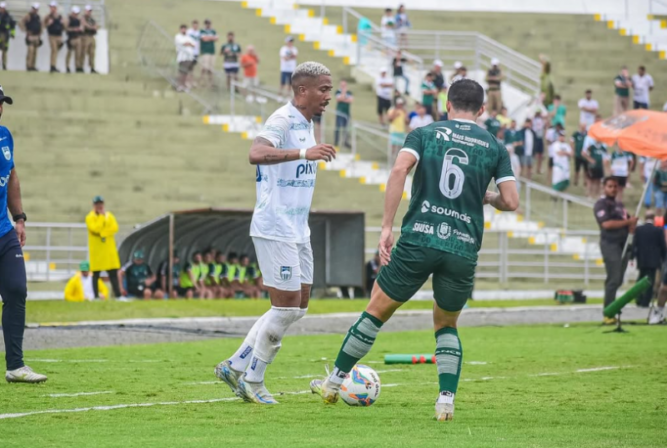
[457, 160]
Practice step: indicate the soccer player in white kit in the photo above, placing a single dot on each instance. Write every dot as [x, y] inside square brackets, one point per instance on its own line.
[286, 156]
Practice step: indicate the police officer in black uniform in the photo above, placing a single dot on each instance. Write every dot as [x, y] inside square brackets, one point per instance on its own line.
[615, 224]
[7, 30]
[54, 27]
[32, 27]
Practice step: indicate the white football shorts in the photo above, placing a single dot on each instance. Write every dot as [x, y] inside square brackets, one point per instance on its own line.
[284, 266]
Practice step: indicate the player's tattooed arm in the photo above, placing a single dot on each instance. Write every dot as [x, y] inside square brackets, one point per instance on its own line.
[262, 152]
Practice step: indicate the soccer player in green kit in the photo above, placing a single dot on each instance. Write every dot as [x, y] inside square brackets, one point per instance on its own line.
[454, 162]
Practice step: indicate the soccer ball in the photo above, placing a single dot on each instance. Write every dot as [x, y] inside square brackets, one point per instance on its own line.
[361, 387]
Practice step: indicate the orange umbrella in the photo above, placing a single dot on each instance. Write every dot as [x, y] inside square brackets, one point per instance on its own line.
[642, 132]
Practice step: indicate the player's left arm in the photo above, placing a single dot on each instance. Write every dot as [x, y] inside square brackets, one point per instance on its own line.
[507, 200]
[15, 205]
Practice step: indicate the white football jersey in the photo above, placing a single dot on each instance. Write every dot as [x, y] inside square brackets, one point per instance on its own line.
[285, 190]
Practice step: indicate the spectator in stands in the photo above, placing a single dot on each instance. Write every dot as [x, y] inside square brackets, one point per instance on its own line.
[620, 164]
[344, 100]
[162, 281]
[494, 78]
[622, 84]
[90, 28]
[438, 75]
[660, 188]
[74, 40]
[595, 154]
[510, 136]
[538, 150]
[546, 84]
[195, 34]
[102, 228]
[557, 112]
[422, 119]
[397, 64]
[552, 138]
[528, 137]
[402, 26]
[384, 87]
[7, 30]
[492, 124]
[54, 25]
[372, 270]
[185, 56]
[588, 109]
[80, 287]
[388, 28]
[562, 154]
[457, 70]
[288, 54]
[642, 85]
[650, 250]
[398, 119]
[136, 279]
[208, 38]
[429, 91]
[647, 166]
[249, 62]
[615, 224]
[231, 52]
[31, 25]
[503, 117]
[364, 29]
[580, 162]
[442, 104]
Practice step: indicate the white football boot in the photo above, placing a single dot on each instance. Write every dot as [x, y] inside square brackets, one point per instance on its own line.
[444, 407]
[24, 375]
[230, 376]
[325, 389]
[656, 316]
[254, 392]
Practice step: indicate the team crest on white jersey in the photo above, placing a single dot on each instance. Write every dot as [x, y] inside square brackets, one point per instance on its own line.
[6, 152]
[443, 133]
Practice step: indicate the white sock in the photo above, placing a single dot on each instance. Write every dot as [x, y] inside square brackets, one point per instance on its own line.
[255, 371]
[276, 322]
[337, 377]
[243, 355]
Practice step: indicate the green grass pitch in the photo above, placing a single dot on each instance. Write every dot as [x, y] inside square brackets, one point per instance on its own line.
[530, 386]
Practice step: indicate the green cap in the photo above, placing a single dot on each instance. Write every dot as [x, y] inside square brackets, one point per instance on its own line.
[97, 199]
[138, 254]
[84, 266]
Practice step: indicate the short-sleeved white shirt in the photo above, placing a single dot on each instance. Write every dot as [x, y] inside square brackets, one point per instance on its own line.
[641, 85]
[285, 190]
[184, 52]
[195, 35]
[290, 65]
[418, 122]
[587, 117]
[384, 92]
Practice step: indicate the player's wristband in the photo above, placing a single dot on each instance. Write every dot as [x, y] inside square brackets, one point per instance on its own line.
[302, 154]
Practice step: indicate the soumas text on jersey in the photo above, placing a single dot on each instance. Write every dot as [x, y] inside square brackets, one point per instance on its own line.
[444, 211]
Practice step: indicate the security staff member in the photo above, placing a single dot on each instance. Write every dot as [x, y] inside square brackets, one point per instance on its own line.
[13, 283]
[615, 224]
[54, 27]
[90, 28]
[74, 40]
[32, 27]
[650, 250]
[7, 30]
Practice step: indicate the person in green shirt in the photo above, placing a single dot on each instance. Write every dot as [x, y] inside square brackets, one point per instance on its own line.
[231, 53]
[344, 99]
[595, 154]
[580, 161]
[622, 84]
[208, 38]
[453, 162]
[429, 91]
[557, 112]
[493, 124]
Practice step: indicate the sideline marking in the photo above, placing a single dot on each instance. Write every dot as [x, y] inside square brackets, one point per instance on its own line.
[78, 394]
[77, 361]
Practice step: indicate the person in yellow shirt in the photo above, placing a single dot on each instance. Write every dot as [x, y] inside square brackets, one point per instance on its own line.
[80, 287]
[398, 119]
[102, 227]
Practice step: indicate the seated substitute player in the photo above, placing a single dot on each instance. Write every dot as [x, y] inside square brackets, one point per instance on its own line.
[286, 156]
[442, 231]
[139, 278]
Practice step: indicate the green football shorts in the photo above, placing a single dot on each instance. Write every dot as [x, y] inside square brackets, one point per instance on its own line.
[410, 267]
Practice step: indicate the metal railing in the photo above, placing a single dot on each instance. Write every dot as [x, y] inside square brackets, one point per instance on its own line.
[18, 8]
[555, 209]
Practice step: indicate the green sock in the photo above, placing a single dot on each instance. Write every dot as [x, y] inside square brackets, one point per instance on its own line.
[449, 358]
[358, 342]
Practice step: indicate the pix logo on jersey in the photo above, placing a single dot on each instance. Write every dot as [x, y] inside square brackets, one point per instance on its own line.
[305, 169]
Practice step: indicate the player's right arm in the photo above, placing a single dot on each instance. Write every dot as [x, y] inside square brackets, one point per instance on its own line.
[507, 199]
[264, 149]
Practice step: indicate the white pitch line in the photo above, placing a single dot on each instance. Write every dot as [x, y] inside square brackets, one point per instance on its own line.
[599, 369]
[78, 394]
[475, 363]
[84, 361]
